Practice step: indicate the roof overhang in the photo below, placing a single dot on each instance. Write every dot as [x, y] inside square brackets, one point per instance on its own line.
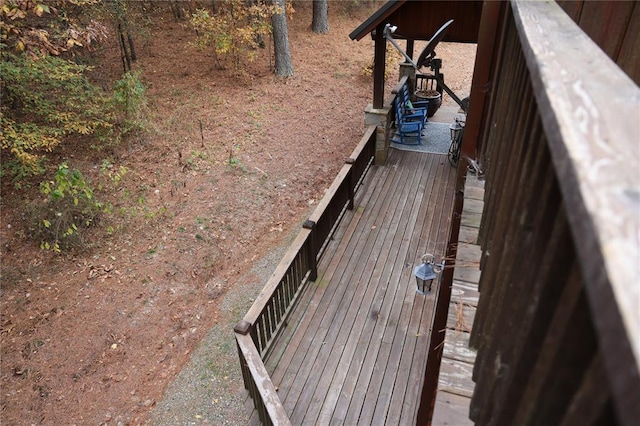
[374, 20]
[419, 20]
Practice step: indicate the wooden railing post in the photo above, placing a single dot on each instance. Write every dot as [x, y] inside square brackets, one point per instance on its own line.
[351, 183]
[242, 327]
[311, 256]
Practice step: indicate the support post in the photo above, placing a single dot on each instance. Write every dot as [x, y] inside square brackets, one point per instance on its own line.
[351, 184]
[242, 327]
[380, 118]
[311, 253]
[379, 60]
[407, 69]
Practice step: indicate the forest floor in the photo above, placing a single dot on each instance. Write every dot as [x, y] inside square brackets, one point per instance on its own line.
[228, 170]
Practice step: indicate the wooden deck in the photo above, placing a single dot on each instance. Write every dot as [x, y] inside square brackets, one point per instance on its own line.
[455, 386]
[355, 348]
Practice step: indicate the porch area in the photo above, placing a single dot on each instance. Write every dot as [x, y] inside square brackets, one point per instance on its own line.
[354, 348]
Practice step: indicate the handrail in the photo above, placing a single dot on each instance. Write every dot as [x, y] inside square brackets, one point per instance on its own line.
[339, 196]
[365, 143]
[398, 87]
[265, 318]
[268, 405]
[591, 122]
[560, 233]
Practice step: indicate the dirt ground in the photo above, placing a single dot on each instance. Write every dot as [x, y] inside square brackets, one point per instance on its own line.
[229, 169]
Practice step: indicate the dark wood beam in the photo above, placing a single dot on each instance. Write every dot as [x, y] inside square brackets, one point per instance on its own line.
[481, 86]
[378, 66]
[410, 48]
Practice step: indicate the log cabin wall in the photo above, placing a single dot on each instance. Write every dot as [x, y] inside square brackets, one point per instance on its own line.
[558, 320]
[612, 25]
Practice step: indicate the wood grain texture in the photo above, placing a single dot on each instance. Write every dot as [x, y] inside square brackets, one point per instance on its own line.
[456, 347]
[606, 23]
[363, 326]
[614, 26]
[465, 292]
[468, 234]
[474, 193]
[461, 317]
[559, 165]
[469, 274]
[471, 220]
[451, 410]
[629, 56]
[596, 155]
[262, 381]
[455, 377]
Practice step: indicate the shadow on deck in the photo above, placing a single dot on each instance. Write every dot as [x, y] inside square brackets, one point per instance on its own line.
[355, 347]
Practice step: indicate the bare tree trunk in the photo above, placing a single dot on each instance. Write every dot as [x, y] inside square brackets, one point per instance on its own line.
[320, 22]
[283, 65]
[127, 49]
[125, 56]
[132, 49]
[176, 9]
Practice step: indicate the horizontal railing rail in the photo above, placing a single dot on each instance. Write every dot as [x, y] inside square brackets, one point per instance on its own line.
[339, 196]
[263, 321]
[256, 378]
[330, 211]
[558, 321]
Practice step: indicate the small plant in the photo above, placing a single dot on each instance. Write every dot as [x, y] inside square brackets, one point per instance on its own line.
[193, 159]
[69, 207]
[130, 103]
[114, 175]
[234, 162]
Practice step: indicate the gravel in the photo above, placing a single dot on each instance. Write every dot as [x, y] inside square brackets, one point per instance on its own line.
[209, 389]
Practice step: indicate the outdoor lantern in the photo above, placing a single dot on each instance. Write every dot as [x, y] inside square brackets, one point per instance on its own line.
[455, 128]
[426, 273]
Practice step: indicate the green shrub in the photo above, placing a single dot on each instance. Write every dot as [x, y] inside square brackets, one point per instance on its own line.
[129, 100]
[44, 100]
[69, 207]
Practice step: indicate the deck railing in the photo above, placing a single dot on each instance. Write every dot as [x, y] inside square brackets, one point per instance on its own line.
[558, 321]
[261, 324]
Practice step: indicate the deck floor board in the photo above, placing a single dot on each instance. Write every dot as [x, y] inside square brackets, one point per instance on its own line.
[333, 389]
[336, 297]
[362, 404]
[455, 386]
[357, 343]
